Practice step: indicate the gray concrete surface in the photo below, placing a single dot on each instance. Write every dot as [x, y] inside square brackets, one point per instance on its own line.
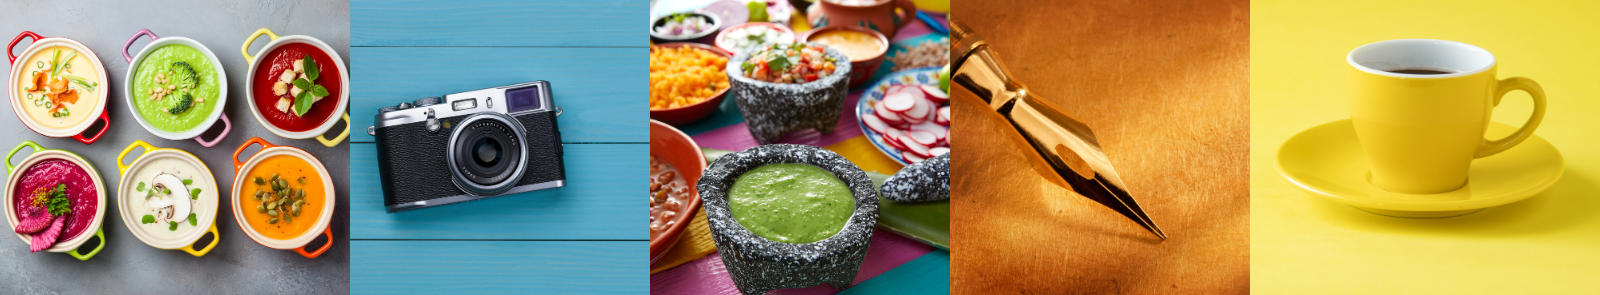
[127, 266]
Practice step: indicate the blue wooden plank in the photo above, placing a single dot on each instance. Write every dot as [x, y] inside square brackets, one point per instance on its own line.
[929, 274]
[499, 23]
[483, 267]
[602, 201]
[603, 92]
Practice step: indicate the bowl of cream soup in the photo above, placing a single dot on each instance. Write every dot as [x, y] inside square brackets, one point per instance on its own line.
[176, 88]
[168, 198]
[58, 88]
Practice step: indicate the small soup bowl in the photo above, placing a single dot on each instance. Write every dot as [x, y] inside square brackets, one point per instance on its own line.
[694, 112]
[676, 148]
[241, 176]
[341, 101]
[66, 244]
[205, 207]
[861, 69]
[757, 264]
[136, 61]
[79, 131]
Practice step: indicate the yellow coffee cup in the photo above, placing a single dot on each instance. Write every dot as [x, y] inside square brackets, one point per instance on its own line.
[1420, 108]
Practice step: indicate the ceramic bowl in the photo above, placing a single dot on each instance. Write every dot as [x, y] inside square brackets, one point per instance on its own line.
[67, 245]
[673, 146]
[705, 37]
[75, 131]
[205, 208]
[298, 244]
[156, 42]
[758, 265]
[342, 101]
[723, 43]
[772, 109]
[861, 70]
[694, 112]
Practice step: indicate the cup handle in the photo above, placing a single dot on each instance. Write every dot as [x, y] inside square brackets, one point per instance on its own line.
[327, 232]
[908, 11]
[137, 143]
[25, 143]
[253, 140]
[226, 127]
[336, 139]
[141, 32]
[214, 238]
[245, 50]
[1491, 147]
[14, 41]
[99, 233]
[105, 124]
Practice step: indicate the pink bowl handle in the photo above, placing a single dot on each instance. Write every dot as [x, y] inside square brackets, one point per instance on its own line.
[135, 37]
[14, 41]
[226, 127]
[105, 118]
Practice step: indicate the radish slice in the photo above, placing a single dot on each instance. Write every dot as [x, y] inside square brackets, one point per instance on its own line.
[934, 94]
[886, 115]
[938, 151]
[924, 137]
[913, 147]
[899, 102]
[892, 138]
[919, 111]
[874, 123]
[944, 116]
[913, 158]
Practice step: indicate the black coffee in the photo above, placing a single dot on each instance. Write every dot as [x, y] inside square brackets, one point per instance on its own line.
[1420, 71]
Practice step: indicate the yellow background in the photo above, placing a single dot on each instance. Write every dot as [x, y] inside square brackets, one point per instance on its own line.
[1549, 243]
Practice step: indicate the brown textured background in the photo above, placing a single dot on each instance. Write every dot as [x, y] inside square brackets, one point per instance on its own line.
[1165, 85]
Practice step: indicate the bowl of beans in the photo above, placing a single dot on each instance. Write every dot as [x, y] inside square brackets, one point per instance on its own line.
[687, 81]
[675, 166]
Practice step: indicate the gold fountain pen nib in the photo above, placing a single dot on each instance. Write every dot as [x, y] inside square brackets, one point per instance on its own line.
[1072, 156]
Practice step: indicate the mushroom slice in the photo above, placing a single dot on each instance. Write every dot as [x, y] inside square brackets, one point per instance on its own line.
[179, 198]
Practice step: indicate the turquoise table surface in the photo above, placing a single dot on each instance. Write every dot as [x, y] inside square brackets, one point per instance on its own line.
[588, 237]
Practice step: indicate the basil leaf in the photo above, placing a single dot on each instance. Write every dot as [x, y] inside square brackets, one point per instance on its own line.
[192, 221]
[310, 68]
[194, 194]
[140, 187]
[148, 219]
[319, 91]
[302, 84]
[173, 227]
[188, 182]
[302, 104]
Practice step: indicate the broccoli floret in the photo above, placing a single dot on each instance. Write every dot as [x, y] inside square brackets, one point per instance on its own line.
[184, 75]
[183, 104]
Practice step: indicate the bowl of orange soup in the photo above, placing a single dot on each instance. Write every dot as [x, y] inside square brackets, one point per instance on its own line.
[58, 88]
[863, 46]
[283, 197]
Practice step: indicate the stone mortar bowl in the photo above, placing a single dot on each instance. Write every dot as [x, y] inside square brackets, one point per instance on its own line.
[772, 109]
[757, 264]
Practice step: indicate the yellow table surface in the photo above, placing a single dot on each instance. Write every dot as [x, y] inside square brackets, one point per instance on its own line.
[1546, 244]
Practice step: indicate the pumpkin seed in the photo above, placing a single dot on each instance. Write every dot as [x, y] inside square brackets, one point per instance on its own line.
[286, 219]
[272, 205]
[299, 203]
[273, 213]
[272, 221]
[261, 209]
[302, 180]
[300, 195]
[296, 211]
[274, 177]
[260, 181]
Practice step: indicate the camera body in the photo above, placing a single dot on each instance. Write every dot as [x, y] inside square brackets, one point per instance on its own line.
[468, 146]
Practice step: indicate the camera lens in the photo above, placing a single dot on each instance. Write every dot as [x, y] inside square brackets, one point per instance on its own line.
[486, 152]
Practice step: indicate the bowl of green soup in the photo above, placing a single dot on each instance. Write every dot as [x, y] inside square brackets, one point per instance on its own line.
[176, 88]
[789, 216]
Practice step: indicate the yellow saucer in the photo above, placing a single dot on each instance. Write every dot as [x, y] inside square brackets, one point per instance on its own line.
[1327, 161]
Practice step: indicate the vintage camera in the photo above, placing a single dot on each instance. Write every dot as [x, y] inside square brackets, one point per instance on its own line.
[468, 146]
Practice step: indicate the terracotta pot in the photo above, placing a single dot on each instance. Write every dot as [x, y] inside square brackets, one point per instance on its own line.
[879, 15]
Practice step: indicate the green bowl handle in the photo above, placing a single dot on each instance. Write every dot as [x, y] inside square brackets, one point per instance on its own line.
[99, 233]
[25, 143]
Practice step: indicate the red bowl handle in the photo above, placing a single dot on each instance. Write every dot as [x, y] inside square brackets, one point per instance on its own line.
[105, 119]
[14, 41]
[253, 140]
[327, 232]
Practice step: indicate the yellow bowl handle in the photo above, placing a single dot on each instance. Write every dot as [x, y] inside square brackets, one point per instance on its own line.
[214, 238]
[137, 143]
[245, 50]
[336, 139]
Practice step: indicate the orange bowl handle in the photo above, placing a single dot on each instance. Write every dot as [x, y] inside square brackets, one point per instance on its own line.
[327, 232]
[253, 140]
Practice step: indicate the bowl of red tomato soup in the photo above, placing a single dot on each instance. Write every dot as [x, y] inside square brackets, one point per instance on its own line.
[297, 87]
